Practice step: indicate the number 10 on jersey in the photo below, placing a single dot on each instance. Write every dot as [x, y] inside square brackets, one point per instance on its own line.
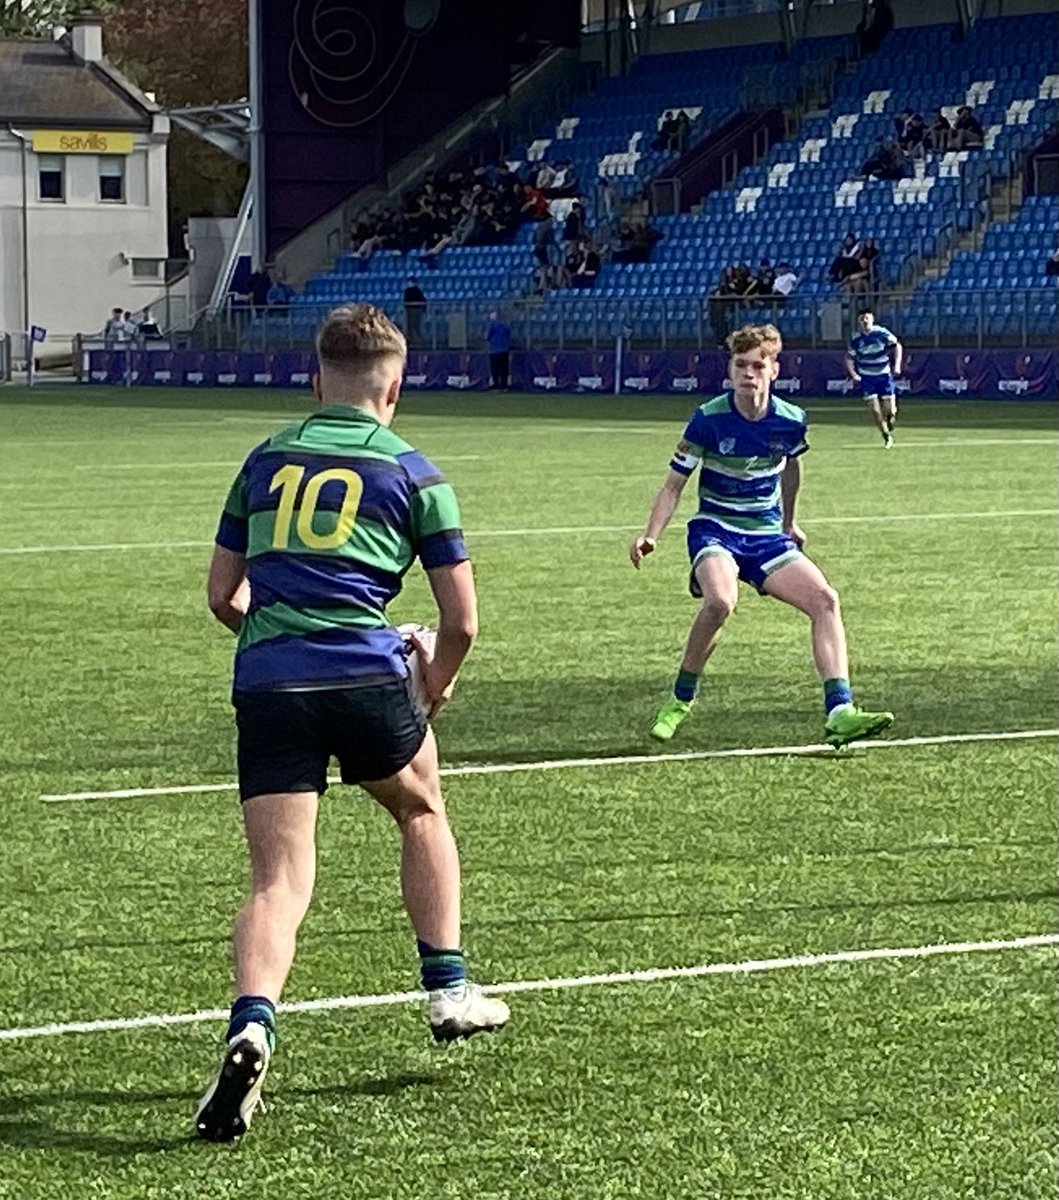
[288, 480]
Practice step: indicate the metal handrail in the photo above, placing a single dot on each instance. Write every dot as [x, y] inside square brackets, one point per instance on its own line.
[570, 319]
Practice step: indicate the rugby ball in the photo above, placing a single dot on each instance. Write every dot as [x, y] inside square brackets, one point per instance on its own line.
[428, 639]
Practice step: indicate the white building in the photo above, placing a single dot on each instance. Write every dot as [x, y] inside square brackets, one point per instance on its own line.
[82, 187]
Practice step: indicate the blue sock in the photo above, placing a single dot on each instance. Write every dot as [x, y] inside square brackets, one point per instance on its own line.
[686, 686]
[836, 692]
[258, 1009]
[440, 968]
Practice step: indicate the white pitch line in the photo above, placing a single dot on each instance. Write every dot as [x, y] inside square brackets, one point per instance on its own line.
[562, 764]
[230, 464]
[913, 444]
[651, 975]
[868, 519]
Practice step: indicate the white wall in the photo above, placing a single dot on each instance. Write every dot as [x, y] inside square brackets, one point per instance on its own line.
[77, 271]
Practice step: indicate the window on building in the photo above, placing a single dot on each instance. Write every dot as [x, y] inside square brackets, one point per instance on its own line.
[147, 268]
[112, 177]
[51, 177]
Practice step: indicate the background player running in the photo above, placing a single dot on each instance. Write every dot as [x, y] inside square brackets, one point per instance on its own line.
[749, 445]
[868, 363]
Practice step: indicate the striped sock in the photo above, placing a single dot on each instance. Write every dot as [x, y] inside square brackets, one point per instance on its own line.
[836, 693]
[440, 968]
[253, 1009]
[686, 686]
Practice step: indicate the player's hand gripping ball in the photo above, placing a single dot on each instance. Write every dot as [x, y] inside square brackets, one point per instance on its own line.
[427, 640]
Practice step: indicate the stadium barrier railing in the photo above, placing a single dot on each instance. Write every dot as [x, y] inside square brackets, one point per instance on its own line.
[974, 318]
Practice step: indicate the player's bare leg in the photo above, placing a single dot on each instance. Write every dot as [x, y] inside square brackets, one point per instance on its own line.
[718, 580]
[889, 404]
[430, 886]
[802, 585]
[880, 419]
[430, 862]
[281, 836]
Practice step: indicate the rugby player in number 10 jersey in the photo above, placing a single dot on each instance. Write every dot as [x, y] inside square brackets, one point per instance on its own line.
[748, 446]
[317, 533]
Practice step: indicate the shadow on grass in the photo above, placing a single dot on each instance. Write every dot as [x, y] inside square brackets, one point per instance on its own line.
[44, 1134]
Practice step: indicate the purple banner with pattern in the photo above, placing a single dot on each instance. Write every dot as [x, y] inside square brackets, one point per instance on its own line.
[976, 374]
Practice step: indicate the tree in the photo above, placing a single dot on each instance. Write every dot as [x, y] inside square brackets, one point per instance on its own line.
[38, 18]
[187, 53]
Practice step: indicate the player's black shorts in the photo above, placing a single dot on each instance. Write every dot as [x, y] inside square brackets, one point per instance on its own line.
[287, 739]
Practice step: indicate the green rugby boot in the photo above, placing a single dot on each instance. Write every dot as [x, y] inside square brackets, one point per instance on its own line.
[848, 723]
[670, 717]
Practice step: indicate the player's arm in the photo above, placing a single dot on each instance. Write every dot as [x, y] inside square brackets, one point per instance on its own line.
[681, 467]
[438, 541]
[851, 367]
[227, 588]
[899, 354]
[790, 486]
[662, 510]
[457, 601]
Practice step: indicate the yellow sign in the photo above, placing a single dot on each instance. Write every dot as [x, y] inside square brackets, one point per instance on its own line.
[80, 141]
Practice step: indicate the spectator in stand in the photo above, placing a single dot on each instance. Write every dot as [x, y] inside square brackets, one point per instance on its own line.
[564, 182]
[147, 327]
[913, 142]
[545, 251]
[876, 22]
[785, 282]
[870, 251]
[683, 123]
[901, 124]
[668, 133]
[415, 306]
[259, 283]
[720, 304]
[887, 161]
[587, 268]
[575, 229]
[534, 203]
[764, 281]
[857, 282]
[939, 134]
[545, 177]
[637, 240]
[279, 296]
[114, 329]
[967, 132]
[498, 339]
[606, 201]
[744, 282]
[846, 259]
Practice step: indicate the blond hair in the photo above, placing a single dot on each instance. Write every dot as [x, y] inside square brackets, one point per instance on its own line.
[356, 338]
[753, 337]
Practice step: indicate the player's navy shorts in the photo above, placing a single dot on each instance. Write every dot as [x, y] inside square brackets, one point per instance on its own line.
[756, 556]
[287, 739]
[877, 385]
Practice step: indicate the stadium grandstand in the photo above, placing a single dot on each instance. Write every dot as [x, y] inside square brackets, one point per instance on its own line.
[683, 180]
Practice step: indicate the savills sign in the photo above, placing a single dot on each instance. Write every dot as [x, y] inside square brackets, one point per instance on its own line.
[80, 141]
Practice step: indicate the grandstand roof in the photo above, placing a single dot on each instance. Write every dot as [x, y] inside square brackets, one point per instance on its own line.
[43, 83]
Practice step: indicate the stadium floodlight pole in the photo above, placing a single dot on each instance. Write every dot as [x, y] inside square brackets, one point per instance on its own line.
[259, 243]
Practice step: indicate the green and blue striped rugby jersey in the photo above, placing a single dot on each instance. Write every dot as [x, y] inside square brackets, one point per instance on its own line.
[741, 461]
[330, 514]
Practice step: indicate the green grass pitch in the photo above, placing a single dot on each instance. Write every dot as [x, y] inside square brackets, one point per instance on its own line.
[917, 1079]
